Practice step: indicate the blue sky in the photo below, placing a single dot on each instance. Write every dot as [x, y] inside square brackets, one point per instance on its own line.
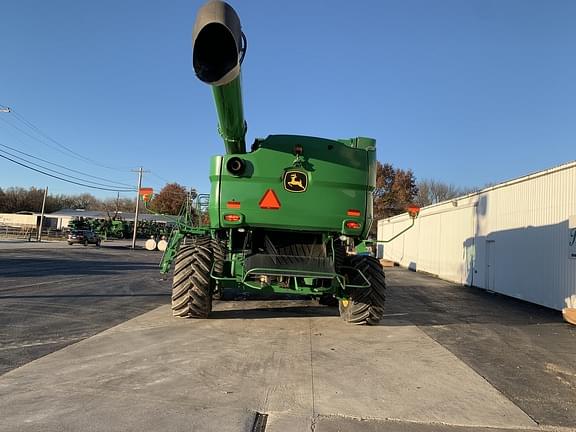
[466, 92]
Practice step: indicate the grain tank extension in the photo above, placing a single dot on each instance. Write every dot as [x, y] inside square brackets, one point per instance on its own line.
[282, 214]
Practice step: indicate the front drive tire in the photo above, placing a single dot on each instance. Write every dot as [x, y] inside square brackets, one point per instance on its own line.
[365, 306]
[192, 285]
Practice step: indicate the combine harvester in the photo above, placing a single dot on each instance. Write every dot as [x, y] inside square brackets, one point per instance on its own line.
[282, 215]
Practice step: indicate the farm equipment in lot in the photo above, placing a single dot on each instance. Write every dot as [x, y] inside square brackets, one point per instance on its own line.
[281, 215]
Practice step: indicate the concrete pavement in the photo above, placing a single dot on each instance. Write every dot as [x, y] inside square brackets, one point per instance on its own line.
[446, 358]
[291, 361]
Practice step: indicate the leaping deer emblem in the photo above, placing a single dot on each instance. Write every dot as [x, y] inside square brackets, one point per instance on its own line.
[295, 183]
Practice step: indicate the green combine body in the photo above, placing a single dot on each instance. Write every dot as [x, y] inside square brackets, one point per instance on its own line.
[283, 215]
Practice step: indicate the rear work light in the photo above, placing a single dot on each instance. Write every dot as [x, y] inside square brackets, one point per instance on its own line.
[353, 225]
[232, 218]
[353, 212]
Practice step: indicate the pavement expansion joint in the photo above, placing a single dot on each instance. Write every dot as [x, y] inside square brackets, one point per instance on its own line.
[312, 373]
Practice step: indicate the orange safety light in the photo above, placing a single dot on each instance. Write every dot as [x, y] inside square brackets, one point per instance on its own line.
[269, 201]
[413, 210]
[233, 204]
[352, 225]
[232, 218]
[353, 212]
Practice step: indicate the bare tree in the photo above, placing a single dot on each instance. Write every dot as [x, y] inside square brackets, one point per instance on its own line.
[433, 191]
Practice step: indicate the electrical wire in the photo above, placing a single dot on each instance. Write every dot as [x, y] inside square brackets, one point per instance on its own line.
[63, 179]
[66, 168]
[58, 172]
[35, 128]
[160, 177]
[60, 147]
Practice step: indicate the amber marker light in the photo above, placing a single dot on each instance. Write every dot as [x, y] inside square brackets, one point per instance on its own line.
[353, 212]
[233, 204]
[413, 210]
[232, 218]
[352, 225]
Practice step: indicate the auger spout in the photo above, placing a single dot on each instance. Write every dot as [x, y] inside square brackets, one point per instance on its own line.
[218, 50]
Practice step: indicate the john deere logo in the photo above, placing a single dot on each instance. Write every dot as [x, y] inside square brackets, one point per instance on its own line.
[295, 181]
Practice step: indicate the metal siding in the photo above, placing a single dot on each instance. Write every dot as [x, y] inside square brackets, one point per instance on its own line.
[526, 218]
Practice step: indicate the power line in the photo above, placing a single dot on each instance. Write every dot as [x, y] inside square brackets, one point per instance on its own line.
[35, 128]
[160, 177]
[63, 167]
[58, 172]
[64, 179]
[60, 147]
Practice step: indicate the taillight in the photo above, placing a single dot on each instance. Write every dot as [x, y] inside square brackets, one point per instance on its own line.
[232, 218]
[352, 225]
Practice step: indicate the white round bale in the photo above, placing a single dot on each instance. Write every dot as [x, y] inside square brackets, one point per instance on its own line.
[150, 244]
[162, 245]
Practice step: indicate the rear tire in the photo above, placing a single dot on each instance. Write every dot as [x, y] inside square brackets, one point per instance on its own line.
[192, 285]
[365, 306]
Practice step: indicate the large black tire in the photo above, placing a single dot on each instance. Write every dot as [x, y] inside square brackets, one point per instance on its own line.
[192, 285]
[365, 306]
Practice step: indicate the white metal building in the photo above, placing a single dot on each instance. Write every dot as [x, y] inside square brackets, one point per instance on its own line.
[516, 238]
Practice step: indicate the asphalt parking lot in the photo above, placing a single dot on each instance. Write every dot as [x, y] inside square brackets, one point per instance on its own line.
[52, 294]
[88, 343]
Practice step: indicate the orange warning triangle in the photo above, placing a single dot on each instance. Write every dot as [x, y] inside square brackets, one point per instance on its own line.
[269, 200]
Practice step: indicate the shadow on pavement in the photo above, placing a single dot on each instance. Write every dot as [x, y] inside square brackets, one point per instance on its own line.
[276, 312]
[54, 296]
[450, 304]
[39, 267]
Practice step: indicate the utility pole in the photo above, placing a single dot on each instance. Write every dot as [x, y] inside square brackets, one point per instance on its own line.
[140, 171]
[39, 238]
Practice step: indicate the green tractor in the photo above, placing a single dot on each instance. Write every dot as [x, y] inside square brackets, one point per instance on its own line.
[282, 216]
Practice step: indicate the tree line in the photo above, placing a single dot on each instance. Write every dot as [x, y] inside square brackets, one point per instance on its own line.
[16, 199]
[395, 189]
